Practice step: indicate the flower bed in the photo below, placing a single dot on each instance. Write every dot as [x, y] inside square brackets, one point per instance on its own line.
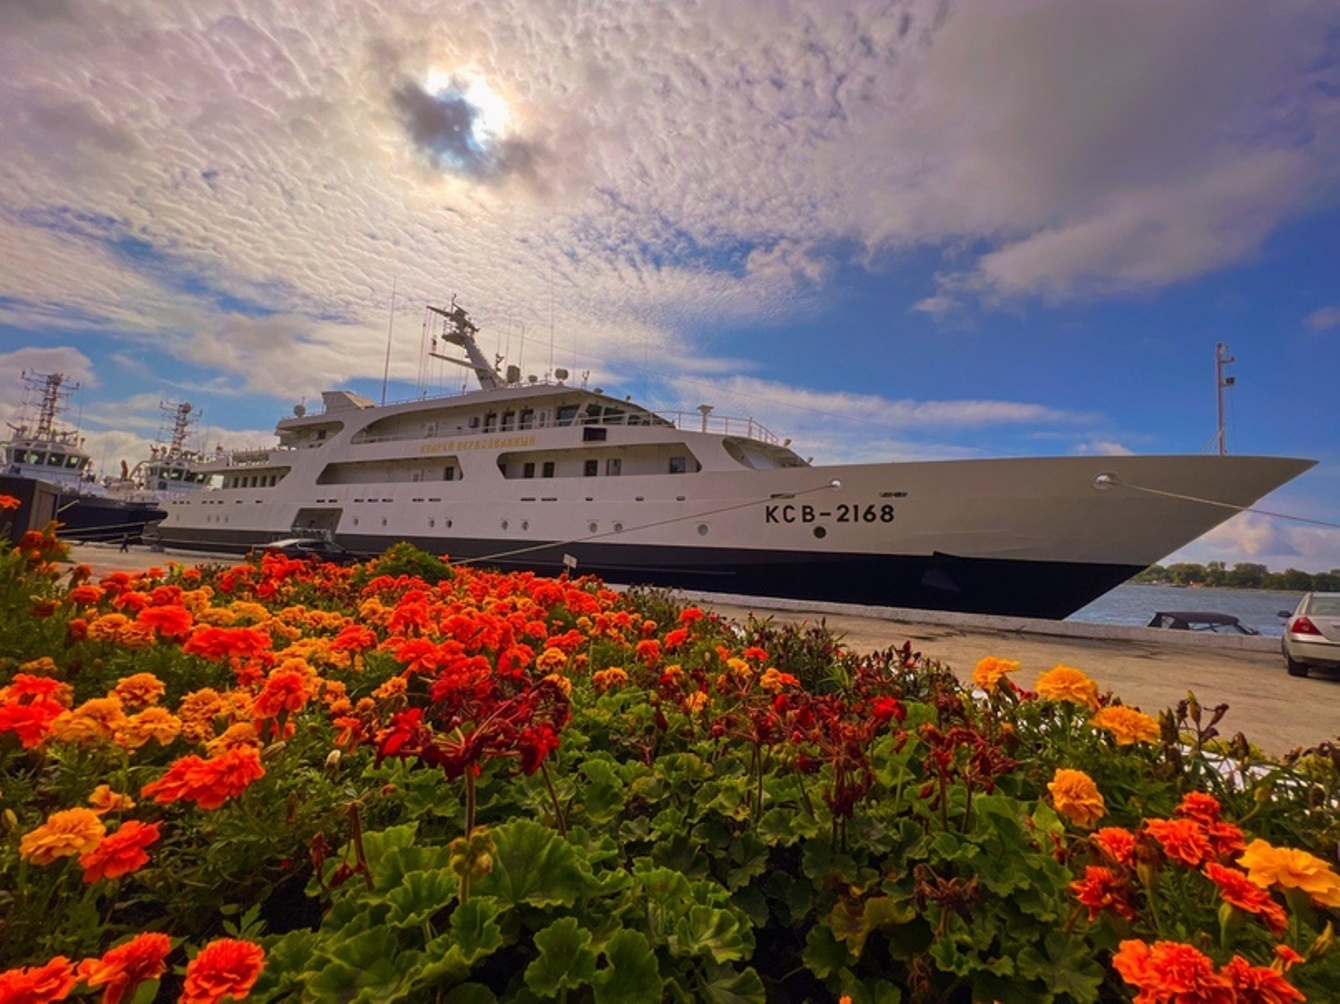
[404, 781]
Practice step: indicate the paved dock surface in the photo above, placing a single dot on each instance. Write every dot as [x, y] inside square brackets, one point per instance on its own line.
[1147, 668]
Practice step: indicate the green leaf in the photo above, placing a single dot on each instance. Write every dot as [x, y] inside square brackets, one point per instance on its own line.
[470, 993]
[419, 895]
[532, 864]
[631, 975]
[367, 966]
[704, 930]
[723, 985]
[1068, 968]
[565, 961]
[474, 935]
[824, 955]
[603, 793]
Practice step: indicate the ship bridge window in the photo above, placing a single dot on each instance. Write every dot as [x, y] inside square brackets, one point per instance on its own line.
[55, 460]
[527, 418]
[73, 462]
[591, 468]
[678, 465]
[508, 421]
[566, 414]
[490, 421]
[449, 472]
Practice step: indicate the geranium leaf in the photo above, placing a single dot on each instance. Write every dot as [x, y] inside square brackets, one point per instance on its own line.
[419, 895]
[532, 864]
[716, 932]
[824, 955]
[474, 935]
[1068, 968]
[566, 960]
[367, 966]
[470, 993]
[723, 985]
[630, 975]
[603, 793]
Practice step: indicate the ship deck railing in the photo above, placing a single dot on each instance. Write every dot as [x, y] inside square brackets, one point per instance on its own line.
[722, 425]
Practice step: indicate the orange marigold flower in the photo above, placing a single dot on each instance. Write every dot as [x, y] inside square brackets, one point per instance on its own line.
[1076, 797]
[139, 690]
[551, 659]
[97, 718]
[606, 679]
[227, 967]
[38, 984]
[123, 968]
[27, 687]
[773, 680]
[1259, 984]
[1285, 959]
[208, 783]
[1291, 869]
[1127, 725]
[235, 735]
[170, 621]
[1227, 840]
[104, 800]
[108, 627]
[65, 834]
[1236, 888]
[9, 502]
[560, 681]
[1064, 683]
[1169, 971]
[32, 723]
[1182, 840]
[286, 689]
[86, 595]
[151, 723]
[676, 638]
[648, 650]
[120, 853]
[990, 671]
[219, 643]
[1103, 889]
[1199, 806]
[1117, 843]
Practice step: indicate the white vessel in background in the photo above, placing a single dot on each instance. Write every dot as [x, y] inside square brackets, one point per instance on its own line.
[545, 475]
[44, 449]
[173, 468]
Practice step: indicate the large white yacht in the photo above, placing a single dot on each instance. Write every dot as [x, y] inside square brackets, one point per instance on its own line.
[547, 475]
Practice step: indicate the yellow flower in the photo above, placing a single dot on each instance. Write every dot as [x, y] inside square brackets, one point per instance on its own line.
[1076, 797]
[98, 718]
[107, 627]
[139, 690]
[1127, 725]
[197, 712]
[551, 659]
[44, 665]
[562, 682]
[991, 671]
[65, 834]
[1291, 869]
[241, 734]
[695, 702]
[603, 680]
[104, 800]
[151, 723]
[1063, 683]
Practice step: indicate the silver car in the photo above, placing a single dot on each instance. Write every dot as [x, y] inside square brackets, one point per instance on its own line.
[1312, 635]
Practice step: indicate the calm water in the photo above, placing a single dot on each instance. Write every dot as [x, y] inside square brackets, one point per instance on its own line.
[1135, 604]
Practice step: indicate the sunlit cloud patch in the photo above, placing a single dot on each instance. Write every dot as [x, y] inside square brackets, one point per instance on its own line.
[461, 125]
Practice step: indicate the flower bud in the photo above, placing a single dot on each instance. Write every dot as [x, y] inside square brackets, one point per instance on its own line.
[1324, 943]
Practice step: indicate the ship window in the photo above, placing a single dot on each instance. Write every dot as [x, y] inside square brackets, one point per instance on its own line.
[593, 435]
[566, 414]
[544, 419]
[449, 473]
[55, 460]
[320, 434]
[502, 466]
[547, 471]
[527, 418]
[73, 462]
[613, 466]
[591, 469]
[474, 421]
[678, 465]
[528, 470]
[490, 421]
[508, 421]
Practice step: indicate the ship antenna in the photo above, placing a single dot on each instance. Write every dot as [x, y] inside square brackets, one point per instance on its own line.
[390, 326]
[1221, 359]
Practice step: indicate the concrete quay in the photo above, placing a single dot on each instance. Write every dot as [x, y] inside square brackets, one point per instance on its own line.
[1148, 668]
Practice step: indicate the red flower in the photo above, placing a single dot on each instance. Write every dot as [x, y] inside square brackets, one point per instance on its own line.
[884, 708]
[121, 853]
[122, 969]
[1102, 889]
[220, 643]
[224, 968]
[1259, 984]
[535, 744]
[1236, 888]
[676, 638]
[1199, 806]
[31, 722]
[1171, 972]
[354, 638]
[1117, 843]
[169, 621]
[38, 984]
[284, 690]
[1183, 840]
[208, 783]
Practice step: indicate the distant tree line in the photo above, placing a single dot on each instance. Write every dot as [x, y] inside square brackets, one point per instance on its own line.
[1243, 575]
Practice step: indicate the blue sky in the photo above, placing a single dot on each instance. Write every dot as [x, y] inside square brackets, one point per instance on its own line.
[889, 231]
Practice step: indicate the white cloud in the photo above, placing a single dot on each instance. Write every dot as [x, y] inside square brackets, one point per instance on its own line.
[1323, 319]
